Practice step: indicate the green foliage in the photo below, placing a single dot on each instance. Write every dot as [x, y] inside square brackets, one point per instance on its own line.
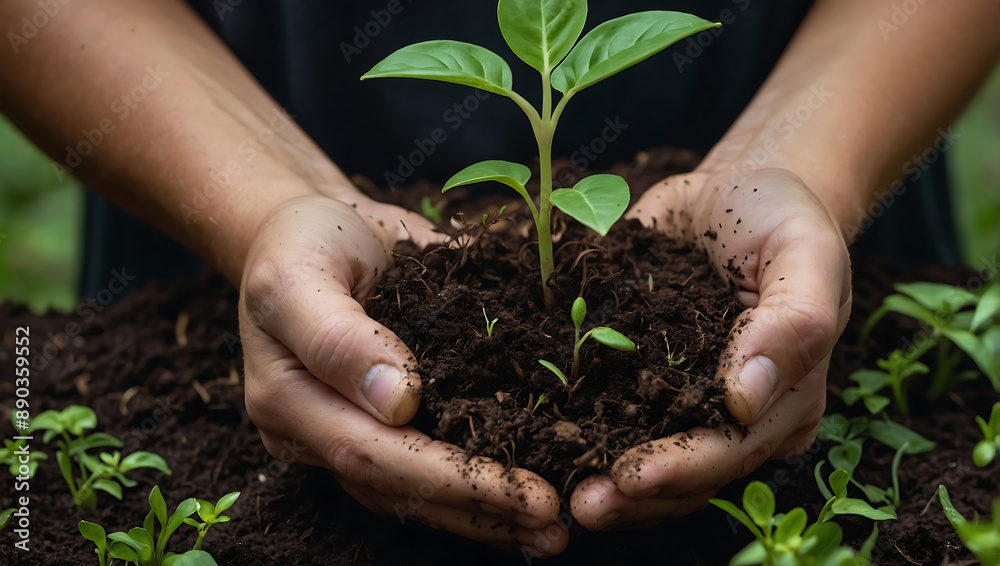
[489, 323]
[9, 457]
[40, 222]
[982, 538]
[145, 547]
[986, 449]
[785, 538]
[431, 211]
[544, 34]
[953, 317]
[83, 473]
[5, 517]
[602, 334]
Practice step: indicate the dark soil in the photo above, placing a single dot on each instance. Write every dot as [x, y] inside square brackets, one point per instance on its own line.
[176, 389]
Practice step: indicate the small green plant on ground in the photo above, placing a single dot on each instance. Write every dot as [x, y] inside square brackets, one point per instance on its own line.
[544, 35]
[5, 517]
[952, 316]
[431, 211]
[82, 472]
[785, 539]
[986, 449]
[144, 547]
[10, 456]
[607, 336]
[489, 323]
[982, 538]
[848, 437]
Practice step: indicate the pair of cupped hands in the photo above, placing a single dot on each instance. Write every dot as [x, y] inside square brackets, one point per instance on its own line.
[330, 387]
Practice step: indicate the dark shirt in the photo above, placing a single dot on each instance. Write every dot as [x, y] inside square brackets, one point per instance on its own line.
[310, 54]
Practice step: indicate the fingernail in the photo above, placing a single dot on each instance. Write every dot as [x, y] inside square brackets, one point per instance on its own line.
[527, 521]
[608, 520]
[758, 379]
[380, 386]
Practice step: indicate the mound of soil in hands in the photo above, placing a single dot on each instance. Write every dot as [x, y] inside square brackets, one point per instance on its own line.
[163, 371]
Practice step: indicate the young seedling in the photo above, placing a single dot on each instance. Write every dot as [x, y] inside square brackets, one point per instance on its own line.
[431, 211]
[11, 454]
[144, 547]
[607, 336]
[5, 517]
[986, 449]
[982, 538]
[888, 497]
[105, 473]
[895, 371]
[544, 35]
[837, 502]
[785, 539]
[951, 316]
[489, 323]
[542, 399]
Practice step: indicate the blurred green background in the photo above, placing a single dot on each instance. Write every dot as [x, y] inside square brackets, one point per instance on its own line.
[41, 215]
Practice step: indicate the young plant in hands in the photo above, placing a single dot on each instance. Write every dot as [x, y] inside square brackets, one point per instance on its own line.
[105, 473]
[607, 336]
[544, 35]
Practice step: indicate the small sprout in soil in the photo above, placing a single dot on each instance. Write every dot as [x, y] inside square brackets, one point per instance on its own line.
[11, 454]
[953, 317]
[785, 539]
[431, 211]
[837, 502]
[982, 538]
[489, 323]
[546, 38]
[551, 367]
[142, 545]
[542, 399]
[82, 472]
[603, 334]
[986, 449]
[888, 497]
[849, 436]
[5, 517]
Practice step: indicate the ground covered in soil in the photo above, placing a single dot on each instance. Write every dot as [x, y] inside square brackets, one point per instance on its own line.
[163, 370]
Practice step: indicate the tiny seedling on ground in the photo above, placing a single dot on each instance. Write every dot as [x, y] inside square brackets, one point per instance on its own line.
[545, 36]
[5, 517]
[143, 546]
[82, 472]
[986, 449]
[982, 538]
[431, 211]
[11, 454]
[785, 538]
[607, 336]
[489, 323]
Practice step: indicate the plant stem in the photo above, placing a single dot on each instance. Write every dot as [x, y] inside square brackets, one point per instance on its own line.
[544, 224]
[201, 536]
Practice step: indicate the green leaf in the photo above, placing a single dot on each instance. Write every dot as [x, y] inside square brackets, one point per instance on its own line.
[865, 552]
[978, 350]
[901, 304]
[597, 201]
[984, 452]
[184, 510]
[833, 427]
[739, 515]
[895, 435]
[620, 43]
[126, 538]
[95, 534]
[937, 297]
[450, 62]
[821, 539]
[91, 441]
[983, 539]
[752, 554]
[142, 459]
[191, 558]
[870, 380]
[988, 307]
[758, 501]
[791, 525]
[876, 403]
[838, 482]
[820, 483]
[109, 486]
[47, 420]
[206, 511]
[851, 506]
[77, 418]
[514, 175]
[541, 32]
[122, 551]
[846, 456]
[954, 517]
[613, 339]
[551, 367]
[158, 506]
[578, 312]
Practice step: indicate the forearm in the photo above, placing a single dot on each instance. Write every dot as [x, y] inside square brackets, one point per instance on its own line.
[857, 94]
[143, 103]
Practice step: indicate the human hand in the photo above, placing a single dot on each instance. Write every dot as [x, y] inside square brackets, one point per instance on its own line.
[328, 386]
[794, 275]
